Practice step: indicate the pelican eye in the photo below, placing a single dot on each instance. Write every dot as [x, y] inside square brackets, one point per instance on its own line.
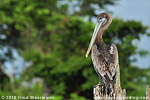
[99, 19]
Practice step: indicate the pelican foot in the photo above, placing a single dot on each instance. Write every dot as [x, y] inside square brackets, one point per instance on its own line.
[100, 85]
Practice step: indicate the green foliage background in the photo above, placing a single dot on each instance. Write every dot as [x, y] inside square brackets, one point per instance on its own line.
[54, 40]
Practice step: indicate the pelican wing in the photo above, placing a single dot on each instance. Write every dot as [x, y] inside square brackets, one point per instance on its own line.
[105, 62]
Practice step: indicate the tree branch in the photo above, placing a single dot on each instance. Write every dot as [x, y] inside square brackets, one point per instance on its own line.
[9, 75]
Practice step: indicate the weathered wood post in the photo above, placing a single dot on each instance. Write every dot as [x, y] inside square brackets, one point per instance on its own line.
[147, 93]
[117, 94]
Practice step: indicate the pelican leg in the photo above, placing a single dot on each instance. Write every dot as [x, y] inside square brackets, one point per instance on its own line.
[105, 90]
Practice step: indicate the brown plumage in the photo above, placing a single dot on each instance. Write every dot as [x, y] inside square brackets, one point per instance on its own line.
[104, 57]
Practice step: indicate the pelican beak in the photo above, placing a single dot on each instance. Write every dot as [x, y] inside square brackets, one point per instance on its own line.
[97, 28]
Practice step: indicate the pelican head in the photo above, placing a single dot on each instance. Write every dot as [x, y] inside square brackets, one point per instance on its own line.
[103, 21]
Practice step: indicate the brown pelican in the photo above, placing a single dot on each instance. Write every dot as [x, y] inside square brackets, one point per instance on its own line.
[104, 57]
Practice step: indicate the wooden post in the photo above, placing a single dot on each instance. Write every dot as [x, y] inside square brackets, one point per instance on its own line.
[147, 93]
[117, 93]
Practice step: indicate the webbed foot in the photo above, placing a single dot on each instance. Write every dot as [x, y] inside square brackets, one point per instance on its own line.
[98, 85]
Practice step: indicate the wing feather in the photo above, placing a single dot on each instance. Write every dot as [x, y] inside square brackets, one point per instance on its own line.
[105, 62]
